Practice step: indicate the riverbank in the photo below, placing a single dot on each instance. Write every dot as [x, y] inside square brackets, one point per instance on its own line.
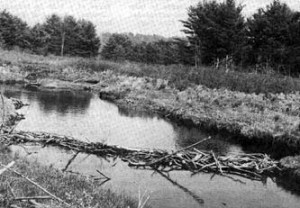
[8, 114]
[75, 190]
[265, 118]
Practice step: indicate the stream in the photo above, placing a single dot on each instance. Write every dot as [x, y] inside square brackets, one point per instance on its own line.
[86, 117]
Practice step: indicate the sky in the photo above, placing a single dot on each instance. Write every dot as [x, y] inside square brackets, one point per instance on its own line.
[159, 17]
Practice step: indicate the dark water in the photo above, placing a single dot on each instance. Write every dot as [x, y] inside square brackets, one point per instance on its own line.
[86, 117]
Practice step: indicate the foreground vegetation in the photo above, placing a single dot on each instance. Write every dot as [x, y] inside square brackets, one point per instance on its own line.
[76, 190]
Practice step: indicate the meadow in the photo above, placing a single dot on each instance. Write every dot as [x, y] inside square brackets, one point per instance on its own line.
[179, 76]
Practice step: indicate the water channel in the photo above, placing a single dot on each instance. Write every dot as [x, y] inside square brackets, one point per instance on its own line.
[84, 116]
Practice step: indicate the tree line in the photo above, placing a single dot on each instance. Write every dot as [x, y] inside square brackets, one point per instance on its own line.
[120, 47]
[269, 38]
[218, 32]
[215, 31]
[58, 36]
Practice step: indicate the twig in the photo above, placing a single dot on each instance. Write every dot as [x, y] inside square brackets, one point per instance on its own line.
[103, 175]
[14, 206]
[3, 109]
[235, 179]
[70, 161]
[31, 197]
[142, 202]
[103, 182]
[10, 190]
[217, 162]
[37, 205]
[37, 185]
[161, 159]
[7, 167]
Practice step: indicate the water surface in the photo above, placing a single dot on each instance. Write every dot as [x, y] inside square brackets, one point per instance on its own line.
[86, 117]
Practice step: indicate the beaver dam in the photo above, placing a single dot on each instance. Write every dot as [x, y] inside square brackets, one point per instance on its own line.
[141, 151]
[252, 166]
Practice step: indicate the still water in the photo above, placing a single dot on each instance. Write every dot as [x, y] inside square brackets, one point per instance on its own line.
[84, 116]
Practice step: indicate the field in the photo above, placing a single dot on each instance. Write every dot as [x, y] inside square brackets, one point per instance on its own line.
[179, 77]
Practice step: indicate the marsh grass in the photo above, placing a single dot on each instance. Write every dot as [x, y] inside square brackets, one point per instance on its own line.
[181, 77]
[76, 190]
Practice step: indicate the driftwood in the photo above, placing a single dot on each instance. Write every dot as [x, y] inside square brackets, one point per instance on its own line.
[253, 166]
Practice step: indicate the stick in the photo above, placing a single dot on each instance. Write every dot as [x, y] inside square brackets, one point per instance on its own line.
[7, 167]
[3, 106]
[103, 175]
[37, 205]
[159, 160]
[70, 161]
[217, 162]
[32, 197]
[14, 206]
[40, 187]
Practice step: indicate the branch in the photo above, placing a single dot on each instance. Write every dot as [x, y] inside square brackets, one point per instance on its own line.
[185, 148]
[6, 167]
[32, 197]
[103, 175]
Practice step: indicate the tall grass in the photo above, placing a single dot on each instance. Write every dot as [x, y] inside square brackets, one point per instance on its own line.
[182, 77]
[179, 76]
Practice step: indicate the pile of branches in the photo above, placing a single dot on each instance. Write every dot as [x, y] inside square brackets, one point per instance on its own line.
[69, 143]
[253, 166]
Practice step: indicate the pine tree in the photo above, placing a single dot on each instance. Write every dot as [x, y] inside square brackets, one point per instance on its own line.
[14, 31]
[273, 34]
[214, 30]
[68, 36]
[118, 48]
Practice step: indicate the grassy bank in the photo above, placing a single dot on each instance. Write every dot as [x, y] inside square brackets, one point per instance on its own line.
[180, 77]
[265, 117]
[78, 191]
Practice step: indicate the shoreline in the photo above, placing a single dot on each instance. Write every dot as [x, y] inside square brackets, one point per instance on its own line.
[64, 186]
[271, 119]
